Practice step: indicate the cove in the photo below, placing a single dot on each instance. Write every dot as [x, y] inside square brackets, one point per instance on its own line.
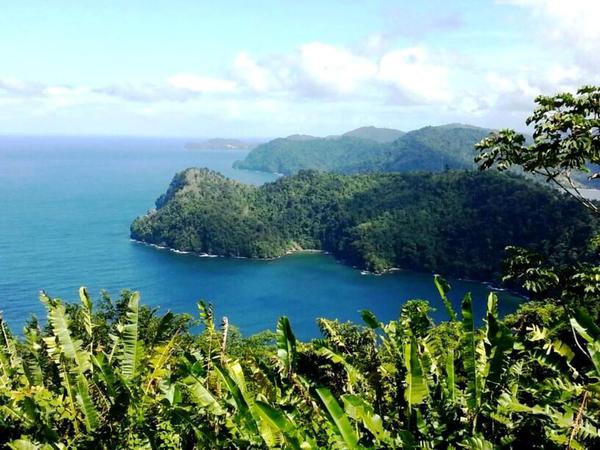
[66, 208]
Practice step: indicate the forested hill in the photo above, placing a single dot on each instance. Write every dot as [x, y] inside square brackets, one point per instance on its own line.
[292, 154]
[381, 135]
[454, 222]
[362, 150]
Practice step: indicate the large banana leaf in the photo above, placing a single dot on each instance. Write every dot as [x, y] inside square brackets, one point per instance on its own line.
[588, 330]
[339, 419]
[25, 444]
[106, 376]
[470, 354]
[286, 344]
[499, 343]
[67, 346]
[279, 421]
[443, 288]
[73, 362]
[86, 404]
[243, 408]
[86, 303]
[10, 360]
[202, 396]
[162, 354]
[32, 358]
[271, 436]
[130, 343]
[416, 384]
[359, 410]
[587, 323]
[369, 318]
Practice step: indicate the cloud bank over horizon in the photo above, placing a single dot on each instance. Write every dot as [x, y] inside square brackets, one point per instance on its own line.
[409, 68]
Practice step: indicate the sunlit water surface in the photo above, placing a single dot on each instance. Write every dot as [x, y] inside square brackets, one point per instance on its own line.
[65, 209]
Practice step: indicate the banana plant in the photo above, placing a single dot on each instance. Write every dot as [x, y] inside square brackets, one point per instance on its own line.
[338, 419]
[73, 361]
[286, 345]
[409, 383]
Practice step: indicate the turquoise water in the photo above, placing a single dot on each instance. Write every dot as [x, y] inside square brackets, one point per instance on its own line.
[65, 209]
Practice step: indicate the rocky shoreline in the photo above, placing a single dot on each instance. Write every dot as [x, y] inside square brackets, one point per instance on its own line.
[209, 255]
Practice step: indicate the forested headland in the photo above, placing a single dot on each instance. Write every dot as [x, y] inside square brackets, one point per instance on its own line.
[455, 222]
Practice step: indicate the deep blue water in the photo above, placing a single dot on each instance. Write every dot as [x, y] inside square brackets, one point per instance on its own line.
[65, 209]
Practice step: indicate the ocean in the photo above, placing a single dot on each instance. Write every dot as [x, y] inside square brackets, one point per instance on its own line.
[66, 204]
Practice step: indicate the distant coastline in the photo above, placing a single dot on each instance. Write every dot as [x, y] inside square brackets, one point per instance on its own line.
[221, 144]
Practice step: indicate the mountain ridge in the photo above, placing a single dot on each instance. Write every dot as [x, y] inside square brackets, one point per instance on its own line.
[430, 148]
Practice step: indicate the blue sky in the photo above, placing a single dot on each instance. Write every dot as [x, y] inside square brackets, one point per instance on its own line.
[267, 68]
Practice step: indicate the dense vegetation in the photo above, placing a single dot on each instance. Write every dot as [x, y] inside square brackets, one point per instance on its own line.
[381, 135]
[120, 376]
[452, 222]
[427, 149]
[565, 146]
[290, 155]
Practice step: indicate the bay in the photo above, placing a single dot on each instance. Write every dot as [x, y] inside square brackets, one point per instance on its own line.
[66, 204]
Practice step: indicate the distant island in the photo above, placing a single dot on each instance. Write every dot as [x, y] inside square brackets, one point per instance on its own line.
[220, 143]
[454, 222]
[370, 149]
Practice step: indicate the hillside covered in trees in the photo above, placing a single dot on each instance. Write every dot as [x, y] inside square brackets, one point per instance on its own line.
[371, 150]
[381, 135]
[455, 222]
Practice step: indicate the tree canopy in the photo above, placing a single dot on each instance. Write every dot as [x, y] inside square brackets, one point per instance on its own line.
[427, 149]
[566, 140]
[452, 222]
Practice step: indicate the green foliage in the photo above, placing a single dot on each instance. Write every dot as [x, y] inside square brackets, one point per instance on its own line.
[290, 155]
[339, 419]
[443, 288]
[566, 141]
[116, 375]
[457, 223]
[408, 383]
[286, 345]
[129, 353]
[370, 149]
[381, 135]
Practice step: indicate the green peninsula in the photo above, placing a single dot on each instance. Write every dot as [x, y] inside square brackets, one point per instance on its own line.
[453, 222]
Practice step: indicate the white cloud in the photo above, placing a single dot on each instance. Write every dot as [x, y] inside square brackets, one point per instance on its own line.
[321, 71]
[200, 84]
[13, 87]
[572, 25]
[249, 72]
[315, 71]
[510, 92]
[374, 44]
[375, 78]
[334, 69]
[414, 76]
[562, 75]
[577, 19]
